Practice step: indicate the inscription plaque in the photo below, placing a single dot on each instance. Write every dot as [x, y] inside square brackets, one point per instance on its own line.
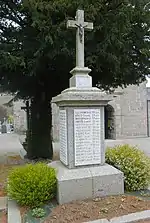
[83, 81]
[63, 136]
[87, 136]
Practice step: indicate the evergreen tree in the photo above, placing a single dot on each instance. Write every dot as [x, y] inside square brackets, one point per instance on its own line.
[37, 52]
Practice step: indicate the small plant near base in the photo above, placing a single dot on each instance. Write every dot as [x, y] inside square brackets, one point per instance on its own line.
[32, 185]
[145, 194]
[38, 212]
[133, 163]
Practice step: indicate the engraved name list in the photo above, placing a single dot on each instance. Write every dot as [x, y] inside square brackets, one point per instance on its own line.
[87, 139]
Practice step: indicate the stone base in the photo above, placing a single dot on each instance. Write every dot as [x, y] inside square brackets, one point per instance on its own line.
[81, 81]
[87, 182]
[80, 78]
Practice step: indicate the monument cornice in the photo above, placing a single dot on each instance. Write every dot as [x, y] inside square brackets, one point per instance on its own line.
[77, 96]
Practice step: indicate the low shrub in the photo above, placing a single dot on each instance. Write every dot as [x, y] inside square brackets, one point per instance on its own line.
[133, 163]
[38, 212]
[32, 184]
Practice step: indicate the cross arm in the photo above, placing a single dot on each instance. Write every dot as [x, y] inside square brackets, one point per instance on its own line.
[71, 24]
[88, 26]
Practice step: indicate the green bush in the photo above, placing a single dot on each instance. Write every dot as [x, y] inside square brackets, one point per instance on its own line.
[133, 163]
[32, 184]
[38, 212]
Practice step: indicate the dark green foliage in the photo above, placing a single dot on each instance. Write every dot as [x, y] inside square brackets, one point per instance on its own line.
[37, 51]
[40, 51]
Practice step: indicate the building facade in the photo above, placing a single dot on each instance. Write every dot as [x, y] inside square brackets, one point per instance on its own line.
[126, 116]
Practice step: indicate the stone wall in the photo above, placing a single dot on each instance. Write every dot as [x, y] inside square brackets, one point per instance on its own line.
[116, 104]
[55, 122]
[148, 93]
[134, 112]
[148, 109]
[148, 116]
[130, 113]
[20, 121]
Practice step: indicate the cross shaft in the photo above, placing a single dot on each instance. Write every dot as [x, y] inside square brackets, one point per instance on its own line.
[80, 26]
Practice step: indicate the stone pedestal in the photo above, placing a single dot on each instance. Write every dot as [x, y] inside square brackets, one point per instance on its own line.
[87, 182]
[81, 171]
[80, 79]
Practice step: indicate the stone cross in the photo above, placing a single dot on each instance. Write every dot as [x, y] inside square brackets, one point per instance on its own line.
[80, 25]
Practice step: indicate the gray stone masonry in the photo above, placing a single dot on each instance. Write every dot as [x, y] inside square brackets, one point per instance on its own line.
[14, 215]
[134, 217]
[83, 181]
[130, 113]
[99, 221]
[69, 101]
[130, 218]
[88, 182]
[20, 119]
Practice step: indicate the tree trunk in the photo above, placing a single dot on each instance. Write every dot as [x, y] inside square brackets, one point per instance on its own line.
[40, 145]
